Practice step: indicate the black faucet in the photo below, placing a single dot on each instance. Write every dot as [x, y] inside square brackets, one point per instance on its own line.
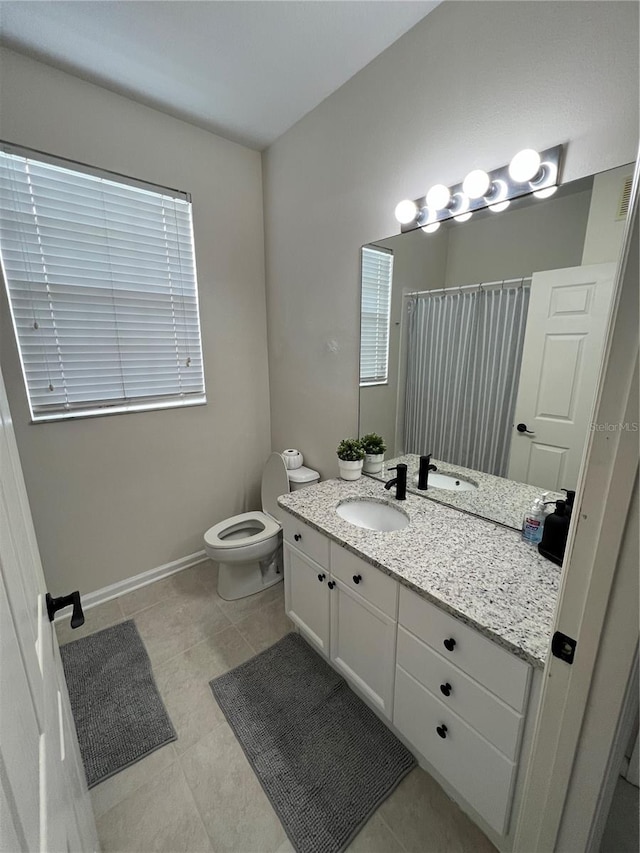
[423, 473]
[400, 481]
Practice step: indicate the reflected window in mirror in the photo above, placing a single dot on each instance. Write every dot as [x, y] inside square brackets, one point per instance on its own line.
[376, 285]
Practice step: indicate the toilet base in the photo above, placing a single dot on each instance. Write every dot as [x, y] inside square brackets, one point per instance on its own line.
[238, 580]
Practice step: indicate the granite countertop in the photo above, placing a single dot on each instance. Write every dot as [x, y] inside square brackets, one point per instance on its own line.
[496, 498]
[480, 572]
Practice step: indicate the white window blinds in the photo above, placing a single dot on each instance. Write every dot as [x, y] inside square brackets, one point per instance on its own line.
[102, 285]
[377, 275]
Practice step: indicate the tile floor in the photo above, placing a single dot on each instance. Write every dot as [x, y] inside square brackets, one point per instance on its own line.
[199, 793]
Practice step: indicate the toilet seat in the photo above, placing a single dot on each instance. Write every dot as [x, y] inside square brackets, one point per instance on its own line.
[258, 526]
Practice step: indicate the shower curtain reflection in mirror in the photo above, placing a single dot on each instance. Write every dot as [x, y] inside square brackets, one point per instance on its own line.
[463, 364]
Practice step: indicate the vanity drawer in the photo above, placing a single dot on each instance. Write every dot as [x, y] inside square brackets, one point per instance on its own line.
[497, 670]
[492, 718]
[475, 768]
[307, 540]
[372, 584]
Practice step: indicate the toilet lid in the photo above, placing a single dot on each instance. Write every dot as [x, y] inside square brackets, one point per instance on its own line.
[275, 482]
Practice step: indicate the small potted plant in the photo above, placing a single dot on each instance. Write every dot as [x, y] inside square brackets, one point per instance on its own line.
[350, 458]
[374, 448]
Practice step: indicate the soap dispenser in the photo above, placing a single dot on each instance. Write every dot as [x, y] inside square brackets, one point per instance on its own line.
[554, 534]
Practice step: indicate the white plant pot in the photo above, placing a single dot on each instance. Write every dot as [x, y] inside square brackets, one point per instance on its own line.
[350, 470]
[373, 463]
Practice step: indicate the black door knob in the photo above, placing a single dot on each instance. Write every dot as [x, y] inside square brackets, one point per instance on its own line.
[55, 604]
[446, 689]
[321, 577]
[331, 584]
[297, 536]
[450, 644]
[357, 578]
[442, 730]
[524, 429]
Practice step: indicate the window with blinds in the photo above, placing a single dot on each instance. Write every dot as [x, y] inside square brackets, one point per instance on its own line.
[375, 310]
[102, 286]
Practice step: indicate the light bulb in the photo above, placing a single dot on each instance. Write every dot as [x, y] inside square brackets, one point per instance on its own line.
[499, 206]
[524, 166]
[464, 217]
[546, 192]
[431, 228]
[499, 190]
[459, 204]
[406, 211]
[438, 197]
[476, 184]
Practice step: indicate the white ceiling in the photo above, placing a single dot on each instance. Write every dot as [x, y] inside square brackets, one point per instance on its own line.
[245, 69]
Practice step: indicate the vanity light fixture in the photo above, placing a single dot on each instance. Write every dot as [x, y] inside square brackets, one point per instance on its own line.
[528, 172]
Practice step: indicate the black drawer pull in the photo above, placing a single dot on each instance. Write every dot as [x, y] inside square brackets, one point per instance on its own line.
[442, 730]
[321, 577]
[357, 578]
[450, 644]
[297, 536]
[446, 689]
[331, 584]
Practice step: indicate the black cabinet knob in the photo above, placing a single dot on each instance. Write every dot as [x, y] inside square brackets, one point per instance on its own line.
[321, 577]
[446, 689]
[331, 584]
[357, 578]
[442, 730]
[297, 536]
[450, 644]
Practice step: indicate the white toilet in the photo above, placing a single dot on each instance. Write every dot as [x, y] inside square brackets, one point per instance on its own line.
[248, 547]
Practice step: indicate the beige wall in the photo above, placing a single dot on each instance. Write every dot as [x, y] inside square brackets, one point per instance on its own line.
[604, 229]
[467, 87]
[115, 496]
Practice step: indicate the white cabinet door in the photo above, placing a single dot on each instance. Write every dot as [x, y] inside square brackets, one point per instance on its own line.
[44, 801]
[306, 596]
[363, 645]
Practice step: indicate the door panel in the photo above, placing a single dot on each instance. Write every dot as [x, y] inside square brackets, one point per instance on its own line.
[563, 347]
[48, 809]
[307, 597]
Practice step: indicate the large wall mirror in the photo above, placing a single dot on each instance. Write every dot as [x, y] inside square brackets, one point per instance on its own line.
[481, 343]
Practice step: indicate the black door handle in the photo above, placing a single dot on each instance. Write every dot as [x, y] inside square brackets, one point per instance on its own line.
[450, 644]
[321, 577]
[55, 604]
[357, 578]
[525, 429]
[297, 536]
[446, 689]
[442, 730]
[331, 584]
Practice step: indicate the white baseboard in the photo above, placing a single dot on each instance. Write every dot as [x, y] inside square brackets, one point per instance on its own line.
[92, 599]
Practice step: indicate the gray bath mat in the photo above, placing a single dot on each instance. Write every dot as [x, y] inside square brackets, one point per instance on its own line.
[324, 759]
[117, 709]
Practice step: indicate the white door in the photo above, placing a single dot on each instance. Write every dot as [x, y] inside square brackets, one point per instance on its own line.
[44, 801]
[306, 597]
[563, 348]
[363, 645]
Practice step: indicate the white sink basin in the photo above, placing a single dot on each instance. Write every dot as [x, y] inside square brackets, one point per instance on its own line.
[372, 515]
[444, 481]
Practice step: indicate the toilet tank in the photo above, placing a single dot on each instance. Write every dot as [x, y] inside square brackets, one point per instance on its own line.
[301, 477]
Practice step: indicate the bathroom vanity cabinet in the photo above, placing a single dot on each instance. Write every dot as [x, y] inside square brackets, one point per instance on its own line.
[345, 607]
[458, 699]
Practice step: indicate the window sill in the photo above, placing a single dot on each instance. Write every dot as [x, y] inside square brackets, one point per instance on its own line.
[155, 406]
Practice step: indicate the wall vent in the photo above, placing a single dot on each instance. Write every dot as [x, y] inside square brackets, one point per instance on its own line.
[625, 197]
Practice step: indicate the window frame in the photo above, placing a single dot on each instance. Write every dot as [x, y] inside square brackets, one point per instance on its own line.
[146, 403]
